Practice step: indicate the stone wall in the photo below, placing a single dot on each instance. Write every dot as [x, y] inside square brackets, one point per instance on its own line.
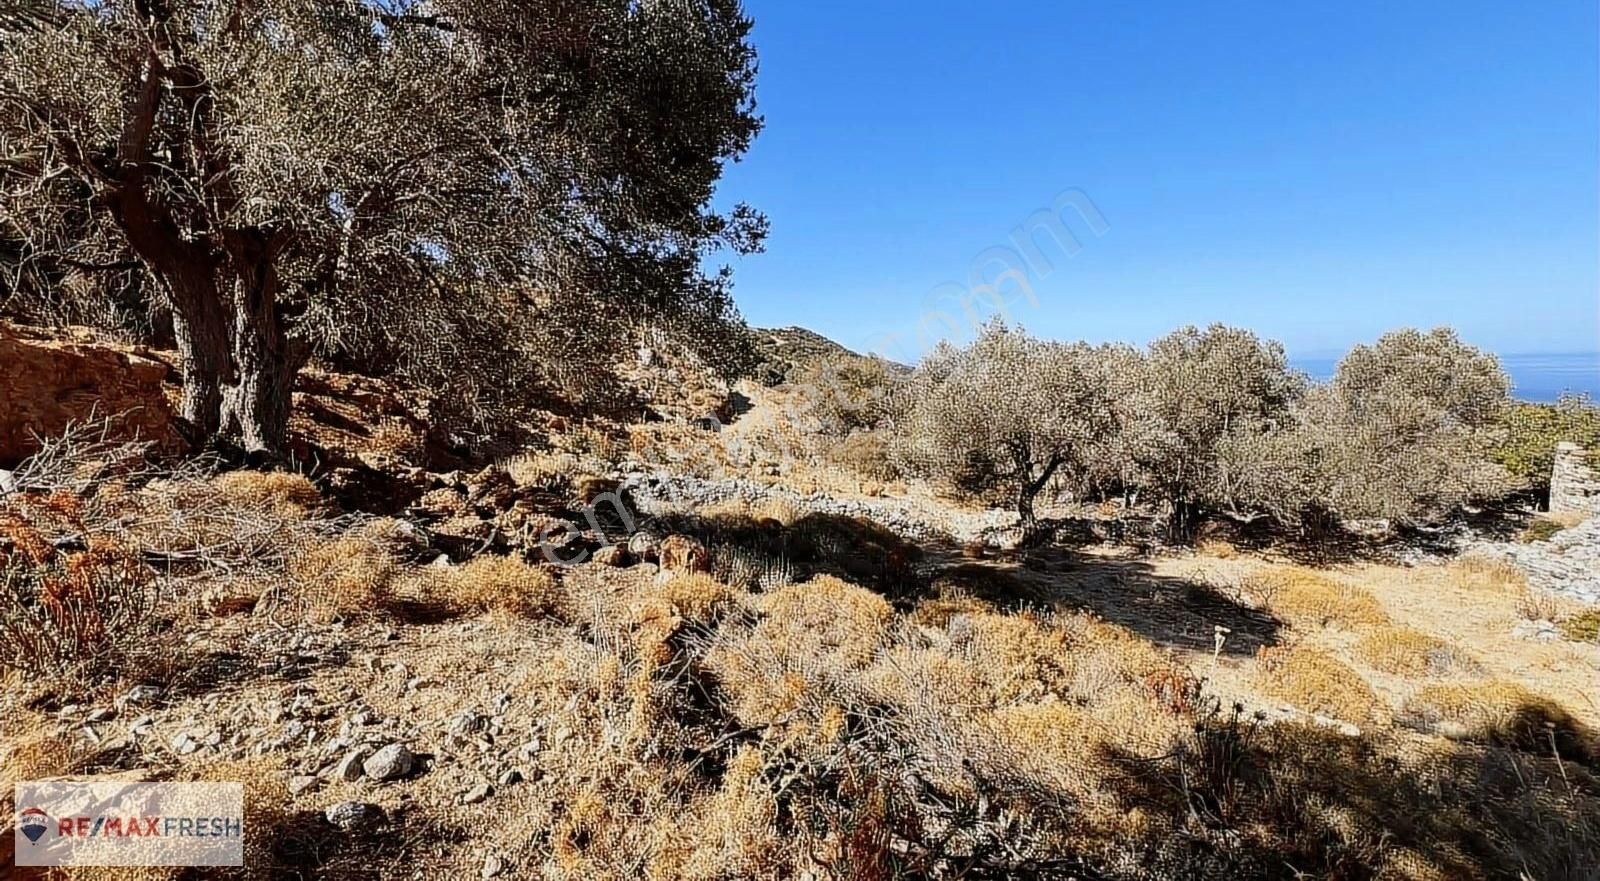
[1574, 485]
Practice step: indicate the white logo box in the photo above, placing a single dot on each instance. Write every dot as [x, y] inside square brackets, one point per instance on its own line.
[129, 824]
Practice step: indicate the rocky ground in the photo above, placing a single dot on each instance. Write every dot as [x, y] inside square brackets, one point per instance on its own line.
[1568, 564]
[418, 695]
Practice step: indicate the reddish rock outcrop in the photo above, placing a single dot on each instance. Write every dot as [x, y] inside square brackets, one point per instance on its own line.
[46, 383]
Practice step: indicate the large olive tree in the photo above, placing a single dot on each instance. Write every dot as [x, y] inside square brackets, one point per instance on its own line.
[315, 175]
[1407, 428]
[1007, 413]
[1208, 401]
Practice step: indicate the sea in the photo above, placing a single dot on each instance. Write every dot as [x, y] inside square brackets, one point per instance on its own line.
[1541, 378]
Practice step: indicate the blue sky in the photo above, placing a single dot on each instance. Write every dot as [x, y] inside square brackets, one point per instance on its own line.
[1317, 172]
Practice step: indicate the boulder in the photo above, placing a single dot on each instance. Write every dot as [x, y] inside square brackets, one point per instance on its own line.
[390, 763]
[355, 816]
[47, 383]
[349, 768]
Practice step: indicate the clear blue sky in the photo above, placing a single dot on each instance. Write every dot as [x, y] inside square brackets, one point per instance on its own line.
[1319, 172]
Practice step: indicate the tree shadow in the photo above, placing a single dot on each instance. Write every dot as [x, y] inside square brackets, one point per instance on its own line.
[304, 845]
[1170, 612]
[1292, 801]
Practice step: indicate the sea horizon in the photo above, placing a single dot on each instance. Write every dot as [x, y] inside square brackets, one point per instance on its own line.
[1538, 377]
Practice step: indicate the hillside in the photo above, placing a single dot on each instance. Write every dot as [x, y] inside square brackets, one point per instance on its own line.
[651, 647]
[784, 349]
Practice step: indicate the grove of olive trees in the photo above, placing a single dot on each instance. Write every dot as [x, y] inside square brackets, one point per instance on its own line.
[1211, 422]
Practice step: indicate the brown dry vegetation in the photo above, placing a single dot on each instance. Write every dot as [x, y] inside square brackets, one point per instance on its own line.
[1317, 682]
[1055, 716]
[1307, 598]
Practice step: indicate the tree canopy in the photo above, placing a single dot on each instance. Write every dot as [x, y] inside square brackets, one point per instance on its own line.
[305, 176]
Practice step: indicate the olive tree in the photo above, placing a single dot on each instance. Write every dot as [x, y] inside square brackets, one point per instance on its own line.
[1407, 428]
[1006, 413]
[309, 176]
[1207, 403]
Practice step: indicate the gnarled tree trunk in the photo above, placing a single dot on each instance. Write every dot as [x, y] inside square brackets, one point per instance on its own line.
[256, 403]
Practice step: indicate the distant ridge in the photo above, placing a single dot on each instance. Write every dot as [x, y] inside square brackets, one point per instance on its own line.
[785, 348]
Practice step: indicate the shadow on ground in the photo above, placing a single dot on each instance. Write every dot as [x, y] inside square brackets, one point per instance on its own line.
[1170, 612]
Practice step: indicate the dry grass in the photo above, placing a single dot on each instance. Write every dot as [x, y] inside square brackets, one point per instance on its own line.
[1403, 651]
[1502, 713]
[937, 612]
[36, 748]
[1309, 599]
[508, 585]
[1216, 548]
[827, 616]
[345, 578]
[1539, 605]
[1484, 574]
[691, 730]
[281, 493]
[1316, 682]
[693, 597]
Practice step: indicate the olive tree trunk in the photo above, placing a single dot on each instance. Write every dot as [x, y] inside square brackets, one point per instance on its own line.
[256, 403]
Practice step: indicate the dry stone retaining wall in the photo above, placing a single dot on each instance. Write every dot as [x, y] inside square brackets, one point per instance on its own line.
[1574, 485]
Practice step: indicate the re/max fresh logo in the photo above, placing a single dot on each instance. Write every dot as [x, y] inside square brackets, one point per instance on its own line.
[35, 824]
[104, 823]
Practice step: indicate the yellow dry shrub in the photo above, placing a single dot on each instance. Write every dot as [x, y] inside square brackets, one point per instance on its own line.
[827, 616]
[1018, 656]
[277, 492]
[736, 832]
[397, 437]
[342, 578]
[1316, 682]
[541, 468]
[502, 584]
[918, 678]
[1484, 574]
[1053, 746]
[1501, 712]
[1308, 599]
[1134, 657]
[809, 637]
[1405, 652]
[938, 612]
[692, 597]
[586, 821]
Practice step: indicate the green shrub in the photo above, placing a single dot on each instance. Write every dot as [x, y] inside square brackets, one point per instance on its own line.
[1583, 627]
[1533, 430]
